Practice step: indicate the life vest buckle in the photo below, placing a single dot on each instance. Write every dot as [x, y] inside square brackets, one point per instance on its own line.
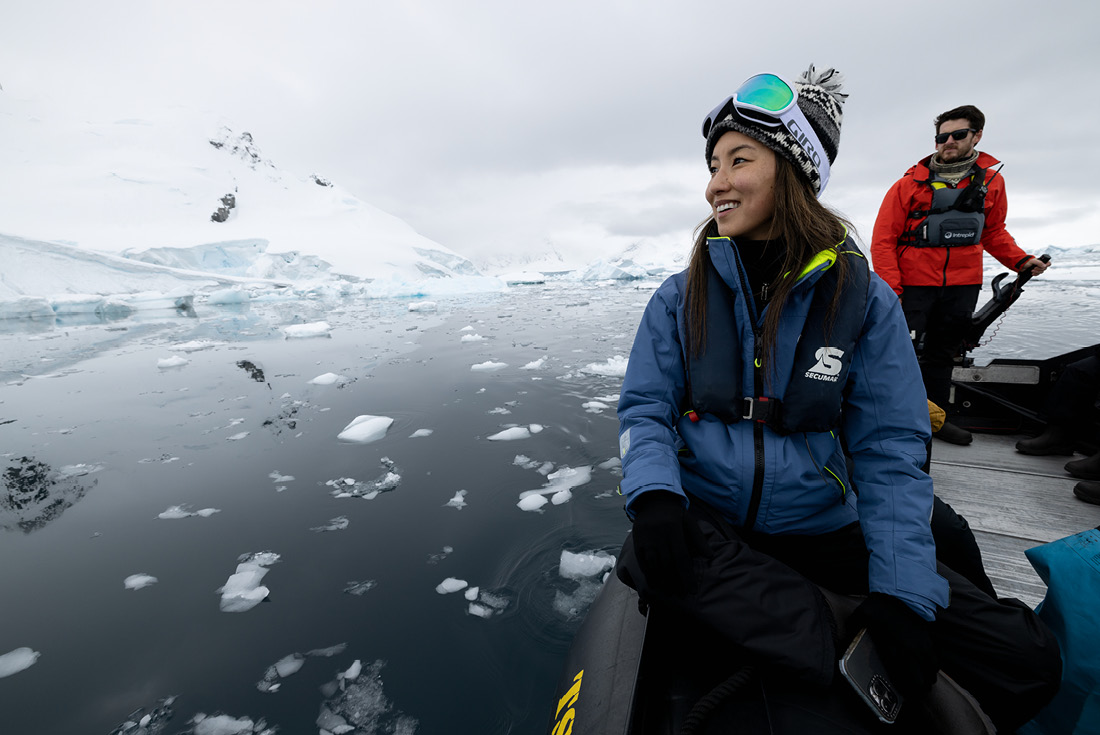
[761, 410]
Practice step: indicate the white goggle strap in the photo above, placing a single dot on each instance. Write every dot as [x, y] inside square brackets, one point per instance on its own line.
[799, 127]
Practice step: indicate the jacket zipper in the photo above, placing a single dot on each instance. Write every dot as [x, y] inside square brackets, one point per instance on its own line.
[757, 385]
[757, 441]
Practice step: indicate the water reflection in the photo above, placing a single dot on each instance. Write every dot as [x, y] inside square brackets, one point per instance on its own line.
[32, 493]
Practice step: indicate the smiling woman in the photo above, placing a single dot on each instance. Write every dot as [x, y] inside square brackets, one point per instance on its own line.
[757, 378]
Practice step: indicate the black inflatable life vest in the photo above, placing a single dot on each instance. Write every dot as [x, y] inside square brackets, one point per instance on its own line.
[956, 217]
[813, 398]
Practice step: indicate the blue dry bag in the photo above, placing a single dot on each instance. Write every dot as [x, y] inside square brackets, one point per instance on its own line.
[1071, 569]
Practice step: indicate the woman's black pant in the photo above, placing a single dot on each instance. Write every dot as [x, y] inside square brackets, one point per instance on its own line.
[761, 593]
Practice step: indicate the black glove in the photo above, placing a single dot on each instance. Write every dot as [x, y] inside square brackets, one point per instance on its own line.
[663, 541]
[903, 640]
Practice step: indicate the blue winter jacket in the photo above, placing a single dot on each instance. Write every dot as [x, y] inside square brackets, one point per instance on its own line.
[804, 490]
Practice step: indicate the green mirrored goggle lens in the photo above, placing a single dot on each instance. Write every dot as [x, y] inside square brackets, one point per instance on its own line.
[765, 92]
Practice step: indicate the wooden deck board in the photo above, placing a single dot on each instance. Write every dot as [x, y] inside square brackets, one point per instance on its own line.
[1012, 502]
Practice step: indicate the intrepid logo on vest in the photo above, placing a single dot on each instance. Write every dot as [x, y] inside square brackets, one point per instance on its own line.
[956, 234]
[828, 364]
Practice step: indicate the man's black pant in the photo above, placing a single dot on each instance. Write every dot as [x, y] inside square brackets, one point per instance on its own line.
[760, 593]
[938, 318]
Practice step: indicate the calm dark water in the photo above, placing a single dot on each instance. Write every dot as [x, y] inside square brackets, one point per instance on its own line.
[97, 440]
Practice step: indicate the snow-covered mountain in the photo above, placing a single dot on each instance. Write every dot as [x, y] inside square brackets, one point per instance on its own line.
[184, 191]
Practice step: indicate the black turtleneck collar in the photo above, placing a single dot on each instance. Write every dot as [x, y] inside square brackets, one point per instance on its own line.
[762, 260]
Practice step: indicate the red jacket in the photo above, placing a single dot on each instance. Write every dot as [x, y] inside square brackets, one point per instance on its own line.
[903, 265]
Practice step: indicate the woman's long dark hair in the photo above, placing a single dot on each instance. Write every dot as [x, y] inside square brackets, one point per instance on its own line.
[805, 225]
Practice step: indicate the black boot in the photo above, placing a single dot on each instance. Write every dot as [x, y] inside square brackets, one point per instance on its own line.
[953, 434]
[1086, 469]
[1054, 440]
[1088, 491]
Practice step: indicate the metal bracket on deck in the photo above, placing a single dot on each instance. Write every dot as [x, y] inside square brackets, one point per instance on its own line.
[1017, 374]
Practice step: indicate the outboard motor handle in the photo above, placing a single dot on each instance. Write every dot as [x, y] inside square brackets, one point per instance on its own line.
[1003, 297]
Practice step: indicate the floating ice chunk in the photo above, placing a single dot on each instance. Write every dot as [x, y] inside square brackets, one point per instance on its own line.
[611, 464]
[15, 661]
[26, 307]
[485, 604]
[361, 706]
[289, 664]
[346, 487]
[328, 652]
[225, 725]
[314, 329]
[570, 476]
[228, 296]
[472, 338]
[353, 671]
[328, 379]
[535, 364]
[422, 306]
[535, 428]
[488, 366]
[179, 511]
[440, 555]
[516, 432]
[420, 432]
[75, 303]
[562, 496]
[236, 437]
[176, 298]
[284, 667]
[584, 564]
[458, 501]
[172, 362]
[276, 476]
[532, 502]
[243, 591]
[196, 345]
[64, 472]
[339, 523]
[559, 487]
[594, 406]
[522, 460]
[365, 429]
[471, 594]
[615, 367]
[450, 584]
[137, 581]
[573, 606]
[360, 588]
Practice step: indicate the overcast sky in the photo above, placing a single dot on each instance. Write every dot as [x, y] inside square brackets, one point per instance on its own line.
[500, 126]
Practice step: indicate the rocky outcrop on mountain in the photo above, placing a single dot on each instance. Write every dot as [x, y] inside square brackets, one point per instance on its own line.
[221, 214]
[242, 146]
[320, 180]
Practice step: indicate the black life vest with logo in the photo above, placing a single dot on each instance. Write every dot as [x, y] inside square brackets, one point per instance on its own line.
[956, 217]
[823, 357]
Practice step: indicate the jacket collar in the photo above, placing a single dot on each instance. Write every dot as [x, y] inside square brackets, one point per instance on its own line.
[922, 173]
[723, 254]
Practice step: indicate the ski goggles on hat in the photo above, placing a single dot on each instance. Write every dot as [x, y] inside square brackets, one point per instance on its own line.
[771, 101]
[956, 134]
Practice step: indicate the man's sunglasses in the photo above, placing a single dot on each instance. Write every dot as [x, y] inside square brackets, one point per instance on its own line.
[956, 134]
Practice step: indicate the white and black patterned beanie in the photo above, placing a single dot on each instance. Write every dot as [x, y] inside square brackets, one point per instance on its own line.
[820, 99]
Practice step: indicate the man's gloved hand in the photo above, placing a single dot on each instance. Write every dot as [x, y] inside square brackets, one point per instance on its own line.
[663, 540]
[902, 638]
